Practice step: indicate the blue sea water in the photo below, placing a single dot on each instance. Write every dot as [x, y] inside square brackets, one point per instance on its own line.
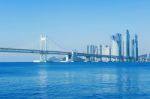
[74, 80]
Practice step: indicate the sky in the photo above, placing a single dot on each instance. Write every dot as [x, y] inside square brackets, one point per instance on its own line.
[70, 24]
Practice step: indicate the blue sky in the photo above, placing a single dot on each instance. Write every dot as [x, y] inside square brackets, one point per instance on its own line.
[71, 23]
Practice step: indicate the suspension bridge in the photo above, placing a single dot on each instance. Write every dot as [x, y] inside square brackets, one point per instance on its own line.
[70, 56]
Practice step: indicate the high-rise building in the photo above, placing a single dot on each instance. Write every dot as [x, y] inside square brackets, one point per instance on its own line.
[126, 44]
[133, 48]
[88, 49]
[100, 51]
[106, 51]
[116, 47]
[119, 41]
[93, 50]
[136, 47]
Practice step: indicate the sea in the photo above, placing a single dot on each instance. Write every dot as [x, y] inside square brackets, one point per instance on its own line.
[90, 80]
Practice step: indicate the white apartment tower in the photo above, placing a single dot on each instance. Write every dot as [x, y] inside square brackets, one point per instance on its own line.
[116, 46]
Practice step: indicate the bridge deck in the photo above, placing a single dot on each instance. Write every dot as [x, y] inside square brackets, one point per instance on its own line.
[14, 50]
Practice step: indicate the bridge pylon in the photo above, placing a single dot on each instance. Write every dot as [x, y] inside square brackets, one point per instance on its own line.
[43, 48]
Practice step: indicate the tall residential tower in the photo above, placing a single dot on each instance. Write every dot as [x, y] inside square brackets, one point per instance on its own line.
[116, 47]
[136, 48]
[126, 44]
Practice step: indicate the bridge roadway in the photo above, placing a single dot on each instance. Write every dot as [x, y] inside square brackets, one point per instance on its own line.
[15, 50]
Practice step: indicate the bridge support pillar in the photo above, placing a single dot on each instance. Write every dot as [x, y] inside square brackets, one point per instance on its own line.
[67, 58]
[43, 58]
[71, 58]
[87, 59]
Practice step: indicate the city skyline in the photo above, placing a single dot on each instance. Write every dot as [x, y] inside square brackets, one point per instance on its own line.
[73, 24]
[121, 45]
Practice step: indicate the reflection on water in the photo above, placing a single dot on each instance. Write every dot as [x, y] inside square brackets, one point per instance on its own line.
[43, 78]
[69, 81]
[43, 81]
[127, 81]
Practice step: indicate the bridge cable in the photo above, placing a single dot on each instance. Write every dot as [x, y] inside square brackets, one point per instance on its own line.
[58, 45]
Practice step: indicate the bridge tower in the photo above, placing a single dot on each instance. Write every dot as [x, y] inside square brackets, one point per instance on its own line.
[43, 47]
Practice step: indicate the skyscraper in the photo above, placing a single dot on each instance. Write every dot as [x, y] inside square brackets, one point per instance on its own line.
[136, 47]
[126, 44]
[116, 47]
[88, 49]
[119, 41]
[133, 48]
